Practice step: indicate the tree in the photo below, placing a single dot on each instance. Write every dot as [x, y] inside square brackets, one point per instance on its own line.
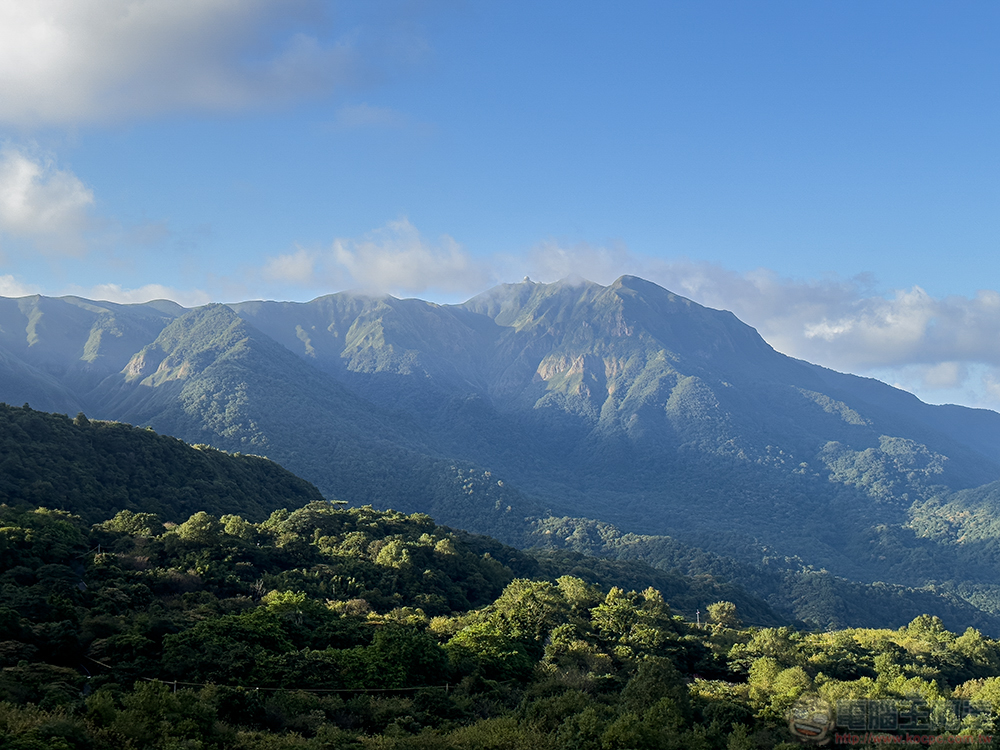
[481, 648]
[134, 524]
[201, 528]
[527, 611]
[724, 614]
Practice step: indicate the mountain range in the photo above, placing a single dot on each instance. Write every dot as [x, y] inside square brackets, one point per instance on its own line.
[619, 420]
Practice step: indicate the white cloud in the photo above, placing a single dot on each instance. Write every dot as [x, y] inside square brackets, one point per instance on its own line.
[297, 267]
[944, 349]
[46, 209]
[69, 61]
[847, 324]
[394, 258]
[42, 203]
[147, 293]
[397, 257]
[991, 385]
[944, 375]
[550, 260]
[841, 323]
[11, 287]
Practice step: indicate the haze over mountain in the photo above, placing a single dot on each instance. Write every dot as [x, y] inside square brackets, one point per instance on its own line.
[536, 402]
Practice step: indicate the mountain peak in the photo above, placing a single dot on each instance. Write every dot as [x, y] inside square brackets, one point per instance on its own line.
[650, 290]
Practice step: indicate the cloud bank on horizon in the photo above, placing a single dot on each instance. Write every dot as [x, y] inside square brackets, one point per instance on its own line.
[86, 76]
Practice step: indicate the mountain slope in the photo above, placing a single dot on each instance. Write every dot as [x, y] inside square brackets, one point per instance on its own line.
[95, 469]
[81, 472]
[23, 383]
[76, 341]
[211, 377]
[637, 406]
[626, 404]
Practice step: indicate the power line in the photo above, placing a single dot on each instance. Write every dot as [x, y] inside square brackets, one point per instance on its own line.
[255, 688]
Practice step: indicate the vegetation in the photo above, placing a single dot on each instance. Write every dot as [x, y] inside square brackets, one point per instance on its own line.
[841, 502]
[811, 595]
[97, 468]
[623, 421]
[326, 627]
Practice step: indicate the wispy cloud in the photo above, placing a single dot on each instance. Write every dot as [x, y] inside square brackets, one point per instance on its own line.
[146, 293]
[10, 286]
[551, 260]
[846, 321]
[398, 257]
[940, 347]
[847, 324]
[395, 258]
[944, 348]
[295, 268]
[46, 208]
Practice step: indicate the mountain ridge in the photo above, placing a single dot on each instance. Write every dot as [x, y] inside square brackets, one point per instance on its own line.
[623, 403]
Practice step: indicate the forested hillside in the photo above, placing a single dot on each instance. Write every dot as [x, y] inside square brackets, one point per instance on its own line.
[813, 595]
[328, 627]
[210, 377]
[160, 626]
[94, 469]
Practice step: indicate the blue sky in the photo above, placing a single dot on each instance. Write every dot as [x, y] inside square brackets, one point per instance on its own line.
[826, 170]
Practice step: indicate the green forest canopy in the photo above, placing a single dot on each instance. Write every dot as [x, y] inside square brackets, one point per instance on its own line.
[327, 627]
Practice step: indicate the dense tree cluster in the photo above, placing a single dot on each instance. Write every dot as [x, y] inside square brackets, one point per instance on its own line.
[327, 627]
[812, 595]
